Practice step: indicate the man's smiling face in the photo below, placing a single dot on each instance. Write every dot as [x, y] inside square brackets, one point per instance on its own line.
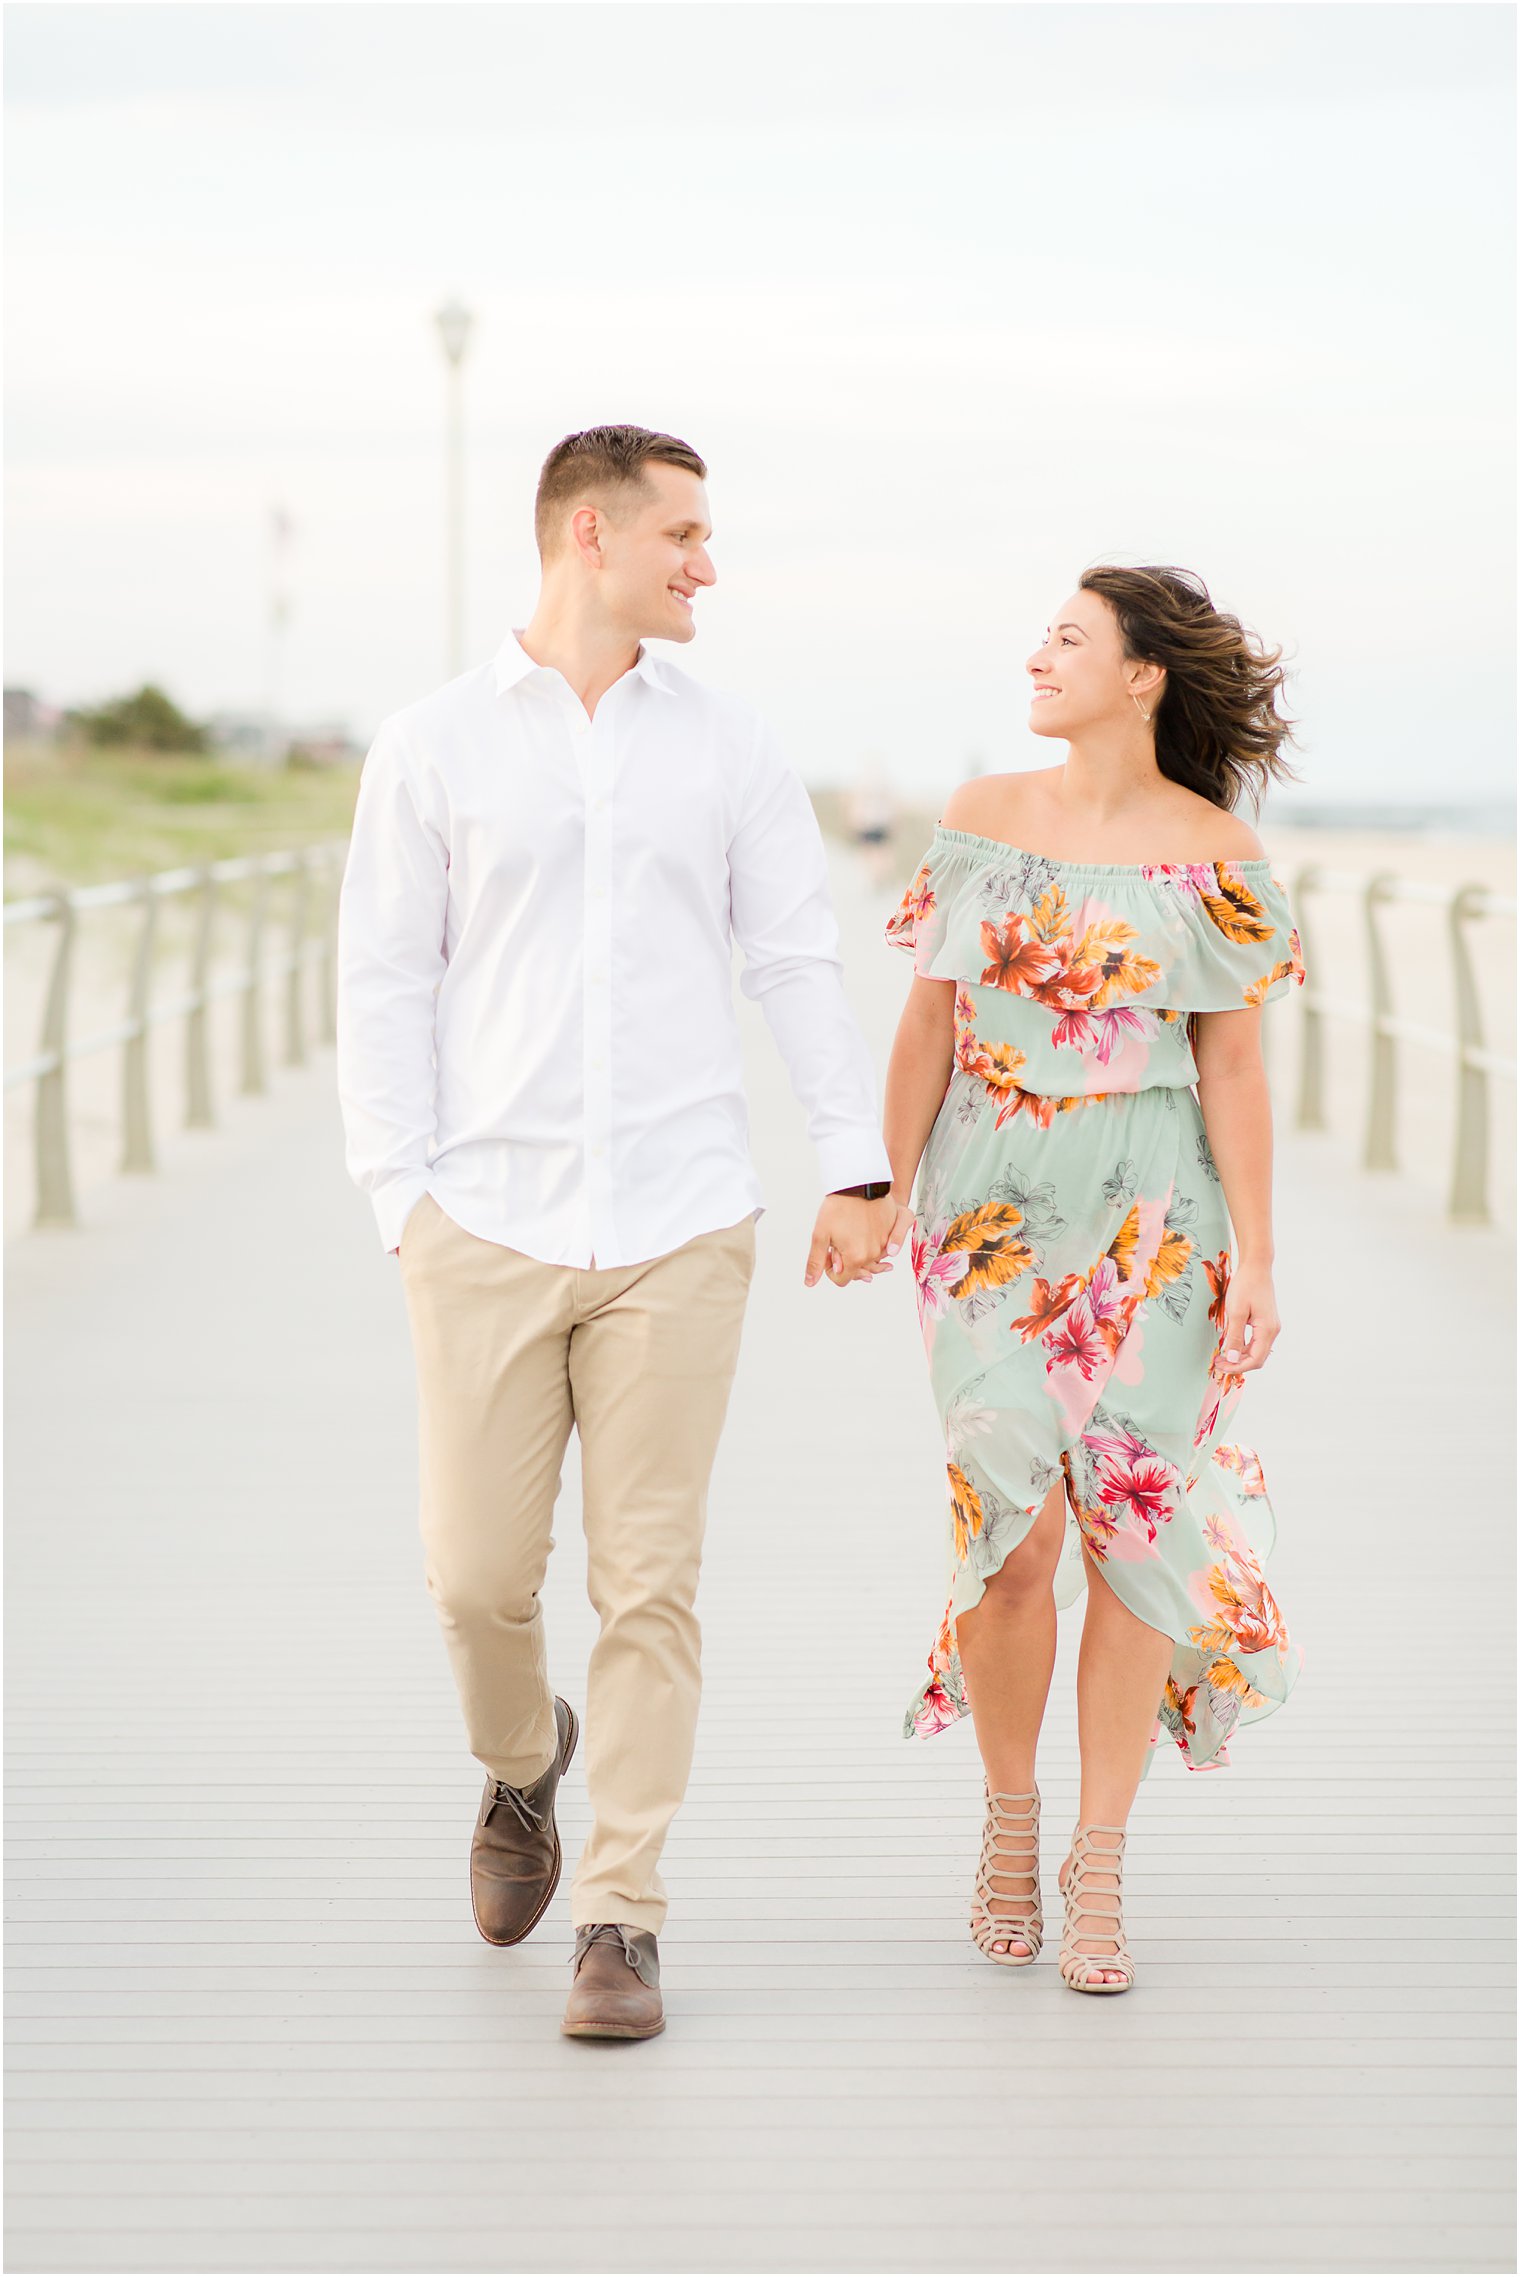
[655, 558]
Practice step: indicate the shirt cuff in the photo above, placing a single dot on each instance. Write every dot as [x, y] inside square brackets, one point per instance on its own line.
[853, 1161]
[393, 1205]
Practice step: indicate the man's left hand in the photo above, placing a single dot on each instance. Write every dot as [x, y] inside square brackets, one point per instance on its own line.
[854, 1240]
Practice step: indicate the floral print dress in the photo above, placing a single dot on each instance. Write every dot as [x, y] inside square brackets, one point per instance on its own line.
[1071, 1253]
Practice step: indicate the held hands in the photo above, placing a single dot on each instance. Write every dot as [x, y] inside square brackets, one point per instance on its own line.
[854, 1240]
[1250, 1321]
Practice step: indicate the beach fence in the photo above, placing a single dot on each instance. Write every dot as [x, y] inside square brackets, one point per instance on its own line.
[1394, 1033]
[1384, 901]
[127, 961]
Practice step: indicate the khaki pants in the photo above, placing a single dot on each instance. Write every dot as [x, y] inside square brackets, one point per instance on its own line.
[639, 1358]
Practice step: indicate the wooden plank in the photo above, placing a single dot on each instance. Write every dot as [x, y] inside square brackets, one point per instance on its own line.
[252, 2027]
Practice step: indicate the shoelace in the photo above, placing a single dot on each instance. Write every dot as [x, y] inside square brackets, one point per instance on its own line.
[516, 1801]
[586, 1938]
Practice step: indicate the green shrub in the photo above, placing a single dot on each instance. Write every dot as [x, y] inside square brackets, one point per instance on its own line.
[205, 785]
[150, 720]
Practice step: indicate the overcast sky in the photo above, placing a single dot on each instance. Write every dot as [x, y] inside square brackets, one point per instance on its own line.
[954, 299]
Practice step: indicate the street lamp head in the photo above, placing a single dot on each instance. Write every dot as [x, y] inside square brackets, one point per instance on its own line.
[454, 321]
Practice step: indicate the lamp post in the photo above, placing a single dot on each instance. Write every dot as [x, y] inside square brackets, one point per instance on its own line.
[281, 530]
[454, 323]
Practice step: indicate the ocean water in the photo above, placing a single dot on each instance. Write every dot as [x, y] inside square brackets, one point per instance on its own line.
[1468, 818]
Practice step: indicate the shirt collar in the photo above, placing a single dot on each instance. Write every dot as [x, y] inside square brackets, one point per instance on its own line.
[513, 663]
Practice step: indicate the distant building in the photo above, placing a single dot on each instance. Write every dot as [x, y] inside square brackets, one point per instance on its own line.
[251, 737]
[27, 717]
[326, 747]
[257, 741]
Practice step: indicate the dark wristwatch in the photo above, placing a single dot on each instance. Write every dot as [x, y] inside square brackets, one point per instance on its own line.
[871, 1193]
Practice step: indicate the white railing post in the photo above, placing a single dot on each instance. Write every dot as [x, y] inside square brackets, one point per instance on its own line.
[55, 1184]
[199, 1110]
[295, 1026]
[327, 967]
[253, 1007]
[1468, 1203]
[1379, 1151]
[136, 1110]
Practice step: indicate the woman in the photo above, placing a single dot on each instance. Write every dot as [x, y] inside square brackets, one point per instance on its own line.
[1091, 942]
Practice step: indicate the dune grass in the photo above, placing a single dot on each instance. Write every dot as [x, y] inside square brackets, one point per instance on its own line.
[77, 815]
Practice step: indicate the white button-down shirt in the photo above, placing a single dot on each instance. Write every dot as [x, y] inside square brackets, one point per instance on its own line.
[536, 1021]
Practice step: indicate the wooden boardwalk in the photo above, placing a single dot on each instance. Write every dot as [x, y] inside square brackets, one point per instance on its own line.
[253, 2029]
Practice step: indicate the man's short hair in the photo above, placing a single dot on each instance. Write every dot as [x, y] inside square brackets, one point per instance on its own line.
[603, 458]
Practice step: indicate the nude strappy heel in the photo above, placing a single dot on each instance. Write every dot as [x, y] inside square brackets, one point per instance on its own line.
[1084, 1971]
[1010, 1853]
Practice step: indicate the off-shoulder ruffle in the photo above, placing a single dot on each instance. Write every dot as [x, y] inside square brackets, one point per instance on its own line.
[1219, 934]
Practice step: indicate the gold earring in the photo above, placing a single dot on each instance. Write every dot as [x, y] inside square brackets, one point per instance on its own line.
[1140, 708]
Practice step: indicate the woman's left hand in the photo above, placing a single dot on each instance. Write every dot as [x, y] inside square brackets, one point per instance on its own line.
[1250, 1320]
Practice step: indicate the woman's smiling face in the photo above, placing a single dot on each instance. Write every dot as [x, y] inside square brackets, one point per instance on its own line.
[1081, 676]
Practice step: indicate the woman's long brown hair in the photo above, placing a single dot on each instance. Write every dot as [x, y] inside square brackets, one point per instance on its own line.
[1218, 729]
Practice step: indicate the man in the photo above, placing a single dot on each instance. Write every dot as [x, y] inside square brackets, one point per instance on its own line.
[540, 1074]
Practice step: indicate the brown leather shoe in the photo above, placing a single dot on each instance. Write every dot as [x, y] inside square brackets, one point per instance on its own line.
[515, 1857]
[616, 1992]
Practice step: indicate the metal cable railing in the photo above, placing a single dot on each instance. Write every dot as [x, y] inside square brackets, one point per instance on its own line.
[309, 877]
